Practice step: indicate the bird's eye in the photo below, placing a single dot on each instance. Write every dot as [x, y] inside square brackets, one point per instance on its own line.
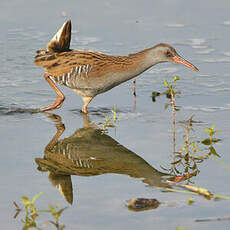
[169, 54]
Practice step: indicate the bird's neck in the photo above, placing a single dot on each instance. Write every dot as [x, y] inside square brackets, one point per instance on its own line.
[147, 57]
[143, 60]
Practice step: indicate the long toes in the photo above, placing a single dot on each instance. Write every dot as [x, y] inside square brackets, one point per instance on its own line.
[84, 110]
[51, 107]
[56, 105]
[59, 106]
[47, 108]
[43, 109]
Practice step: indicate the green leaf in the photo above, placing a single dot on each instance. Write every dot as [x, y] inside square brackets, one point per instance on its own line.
[60, 211]
[176, 78]
[110, 125]
[207, 130]
[153, 99]
[213, 151]
[177, 109]
[155, 94]
[168, 95]
[193, 167]
[25, 200]
[176, 162]
[36, 197]
[186, 157]
[166, 106]
[176, 170]
[206, 141]
[215, 140]
[190, 201]
[213, 132]
[166, 83]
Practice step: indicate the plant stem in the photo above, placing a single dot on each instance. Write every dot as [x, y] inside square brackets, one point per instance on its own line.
[174, 120]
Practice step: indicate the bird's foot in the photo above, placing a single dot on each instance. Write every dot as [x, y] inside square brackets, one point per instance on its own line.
[84, 109]
[56, 105]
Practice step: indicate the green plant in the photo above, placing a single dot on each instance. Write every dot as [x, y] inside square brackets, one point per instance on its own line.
[110, 122]
[105, 125]
[191, 153]
[114, 111]
[171, 94]
[211, 141]
[190, 200]
[32, 213]
[56, 214]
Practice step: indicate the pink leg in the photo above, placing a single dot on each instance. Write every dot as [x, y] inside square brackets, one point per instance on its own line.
[60, 96]
[86, 101]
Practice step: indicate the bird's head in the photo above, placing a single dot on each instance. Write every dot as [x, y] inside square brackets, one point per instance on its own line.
[166, 53]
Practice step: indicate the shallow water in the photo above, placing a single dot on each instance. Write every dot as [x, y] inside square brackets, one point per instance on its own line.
[99, 173]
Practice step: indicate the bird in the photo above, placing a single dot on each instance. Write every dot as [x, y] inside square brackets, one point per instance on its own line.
[90, 73]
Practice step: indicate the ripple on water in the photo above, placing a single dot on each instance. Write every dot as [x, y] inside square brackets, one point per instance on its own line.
[15, 113]
[205, 108]
[95, 111]
[226, 23]
[213, 84]
[226, 54]
[216, 60]
[221, 89]
[204, 84]
[85, 40]
[16, 110]
[196, 43]
[175, 25]
[21, 34]
[163, 70]
[103, 112]
[205, 51]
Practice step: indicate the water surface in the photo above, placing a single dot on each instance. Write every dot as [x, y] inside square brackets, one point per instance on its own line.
[97, 172]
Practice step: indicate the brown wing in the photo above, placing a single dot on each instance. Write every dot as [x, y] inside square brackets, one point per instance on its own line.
[58, 64]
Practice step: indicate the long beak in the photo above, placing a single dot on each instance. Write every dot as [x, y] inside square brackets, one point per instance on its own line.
[182, 61]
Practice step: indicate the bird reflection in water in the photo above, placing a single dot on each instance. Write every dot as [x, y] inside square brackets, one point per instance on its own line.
[89, 152]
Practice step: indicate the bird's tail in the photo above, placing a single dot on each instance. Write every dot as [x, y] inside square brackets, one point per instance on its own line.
[61, 40]
[59, 43]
